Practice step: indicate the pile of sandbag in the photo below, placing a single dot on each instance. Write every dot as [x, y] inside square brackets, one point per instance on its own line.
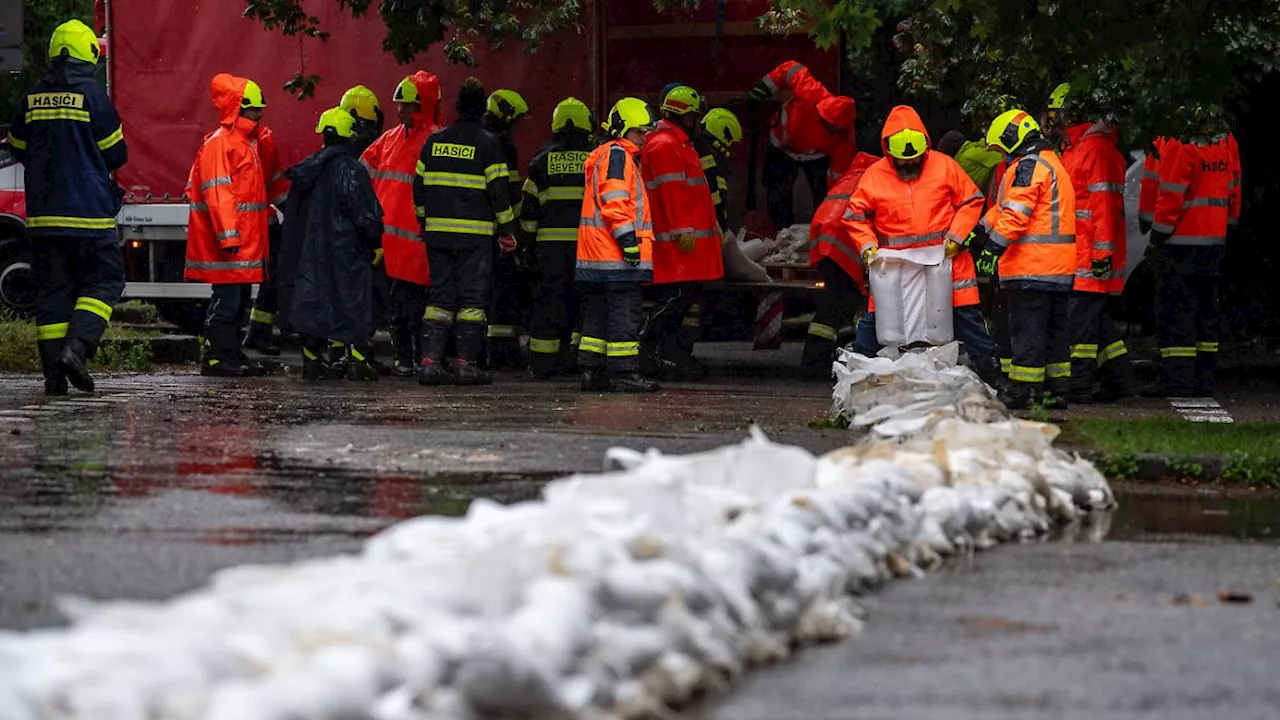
[616, 595]
[742, 257]
[791, 246]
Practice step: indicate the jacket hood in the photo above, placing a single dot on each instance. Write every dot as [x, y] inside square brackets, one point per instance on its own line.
[227, 91]
[65, 70]
[902, 117]
[428, 86]
[838, 110]
[1077, 133]
[306, 174]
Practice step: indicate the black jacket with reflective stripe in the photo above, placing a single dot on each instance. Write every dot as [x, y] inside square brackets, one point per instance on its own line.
[710, 161]
[461, 191]
[552, 203]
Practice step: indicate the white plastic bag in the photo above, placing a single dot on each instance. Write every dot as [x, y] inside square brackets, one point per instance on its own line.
[912, 290]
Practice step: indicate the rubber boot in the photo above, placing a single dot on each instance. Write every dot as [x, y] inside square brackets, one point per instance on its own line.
[221, 357]
[338, 360]
[1117, 380]
[818, 357]
[432, 371]
[55, 378]
[262, 338]
[315, 362]
[467, 372]
[679, 362]
[543, 365]
[1016, 395]
[633, 382]
[406, 350]
[74, 363]
[594, 380]
[360, 365]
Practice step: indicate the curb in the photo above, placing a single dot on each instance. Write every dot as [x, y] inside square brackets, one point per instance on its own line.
[165, 349]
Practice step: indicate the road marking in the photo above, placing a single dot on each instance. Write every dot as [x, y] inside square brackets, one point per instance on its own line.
[1206, 410]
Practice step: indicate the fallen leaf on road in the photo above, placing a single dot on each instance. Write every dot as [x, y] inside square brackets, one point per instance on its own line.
[483, 457]
[987, 622]
[1235, 597]
[1185, 599]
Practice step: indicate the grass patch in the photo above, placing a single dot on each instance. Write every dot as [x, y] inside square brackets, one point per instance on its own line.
[127, 349]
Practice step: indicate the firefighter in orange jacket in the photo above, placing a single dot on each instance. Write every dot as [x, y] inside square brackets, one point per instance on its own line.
[615, 254]
[392, 160]
[1092, 157]
[1197, 195]
[227, 230]
[1031, 231]
[844, 283]
[943, 208]
[266, 303]
[812, 132]
[686, 233]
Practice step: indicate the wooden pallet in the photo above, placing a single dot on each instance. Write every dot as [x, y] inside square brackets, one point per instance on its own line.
[792, 272]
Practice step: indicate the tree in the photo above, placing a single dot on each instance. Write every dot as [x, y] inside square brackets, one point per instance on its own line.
[41, 19]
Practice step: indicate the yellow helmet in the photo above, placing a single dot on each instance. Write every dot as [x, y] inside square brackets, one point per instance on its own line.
[628, 114]
[339, 120]
[722, 127]
[1010, 129]
[571, 112]
[507, 105]
[406, 92]
[252, 97]
[361, 101]
[1058, 97]
[682, 100]
[907, 144]
[76, 40]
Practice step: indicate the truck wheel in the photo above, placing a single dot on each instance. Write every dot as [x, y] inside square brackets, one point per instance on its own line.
[188, 315]
[17, 281]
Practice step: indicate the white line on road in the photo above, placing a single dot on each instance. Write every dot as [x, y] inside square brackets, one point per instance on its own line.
[1201, 410]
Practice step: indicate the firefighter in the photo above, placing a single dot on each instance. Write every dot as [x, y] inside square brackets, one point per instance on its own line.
[69, 136]
[503, 110]
[362, 104]
[720, 130]
[1092, 157]
[844, 284]
[262, 318]
[549, 217]
[975, 159]
[227, 230]
[1030, 233]
[615, 254]
[687, 236]
[1197, 199]
[462, 198]
[944, 207]
[333, 226]
[391, 161]
[1150, 181]
[813, 133]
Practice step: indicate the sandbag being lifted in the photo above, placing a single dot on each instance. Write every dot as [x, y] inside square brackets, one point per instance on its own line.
[912, 291]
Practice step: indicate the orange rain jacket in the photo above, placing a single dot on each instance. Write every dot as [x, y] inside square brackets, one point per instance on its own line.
[1093, 159]
[682, 205]
[392, 160]
[228, 196]
[1034, 220]
[1198, 189]
[277, 183]
[615, 214]
[798, 129]
[942, 204]
[827, 236]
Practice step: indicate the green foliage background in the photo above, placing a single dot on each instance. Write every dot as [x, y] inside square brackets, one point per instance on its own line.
[42, 16]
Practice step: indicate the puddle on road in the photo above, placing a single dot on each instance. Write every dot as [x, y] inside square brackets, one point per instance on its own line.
[1155, 514]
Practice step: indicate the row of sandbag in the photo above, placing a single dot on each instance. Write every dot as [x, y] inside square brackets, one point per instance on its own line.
[617, 595]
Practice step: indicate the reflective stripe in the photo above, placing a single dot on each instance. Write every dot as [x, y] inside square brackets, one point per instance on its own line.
[1022, 373]
[1104, 245]
[1084, 214]
[707, 162]
[78, 223]
[964, 284]
[355, 353]
[664, 179]
[623, 229]
[279, 199]
[1198, 240]
[458, 225]
[530, 187]
[529, 226]
[58, 114]
[1146, 216]
[1207, 347]
[228, 234]
[1117, 188]
[261, 316]
[557, 235]
[473, 315]
[251, 207]
[1181, 351]
[224, 265]
[1084, 352]
[1150, 174]
[1067, 280]
[1006, 364]
[215, 182]
[112, 139]
[448, 179]
[1055, 371]
[506, 216]
[565, 192]
[838, 196]
[977, 195]
[953, 237]
[826, 332]
[544, 346]
[1016, 206]
[1207, 202]
[1113, 351]
[697, 181]
[400, 232]
[514, 176]
[54, 331]
[623, 349]
[591, 222]
[715, 197]
[391, 175]
[495, 171]
[438, 314]
[691, 321]
[1049, 239]
[593, 345]
[1161, 227]
[574, 339]
[502, 331]
[19, 144]
[904, 240]
[613, 265]
[1172, 187]
[997, 238]
[851, 215]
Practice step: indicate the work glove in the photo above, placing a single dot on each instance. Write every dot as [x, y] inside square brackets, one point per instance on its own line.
[687, 243]
[377, 257]
[978, 237]
[1158, 239]
[631, 254]
[1102, 268]
[986, 264]
[1144, 226]
[507, 244]
[869, 254]
[954, 248]
[760, 92]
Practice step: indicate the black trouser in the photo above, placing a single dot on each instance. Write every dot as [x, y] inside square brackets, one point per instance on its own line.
[555, 313]
[1188, 326]
[461, 287]
[227, 309]
[1000, 326]
[837, 306]
[1097, 347]
[611, 318]
[1039, 329]
[78, 283]
[267, 303]
[408, 303]
[505, 312]
[676, 323]
[780, 179]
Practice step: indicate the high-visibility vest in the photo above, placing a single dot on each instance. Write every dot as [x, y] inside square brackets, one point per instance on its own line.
[1194, 197]
[615, 212]
[1034, 219]
[1097, 170]
[682, 205]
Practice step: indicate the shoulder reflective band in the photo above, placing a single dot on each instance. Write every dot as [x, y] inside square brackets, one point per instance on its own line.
[111, 140]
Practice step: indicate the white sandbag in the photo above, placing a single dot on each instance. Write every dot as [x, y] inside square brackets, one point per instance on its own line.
[754, 249]
[912, 290]
[740, 266]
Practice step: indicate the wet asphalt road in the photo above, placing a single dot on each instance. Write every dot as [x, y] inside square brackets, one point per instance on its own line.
[159, 480]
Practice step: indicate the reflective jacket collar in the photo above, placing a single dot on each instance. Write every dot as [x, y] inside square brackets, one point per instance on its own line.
[627, 145]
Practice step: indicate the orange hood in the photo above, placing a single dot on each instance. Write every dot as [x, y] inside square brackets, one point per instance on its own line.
[228, 91]
[902, 117]
[428, 86]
